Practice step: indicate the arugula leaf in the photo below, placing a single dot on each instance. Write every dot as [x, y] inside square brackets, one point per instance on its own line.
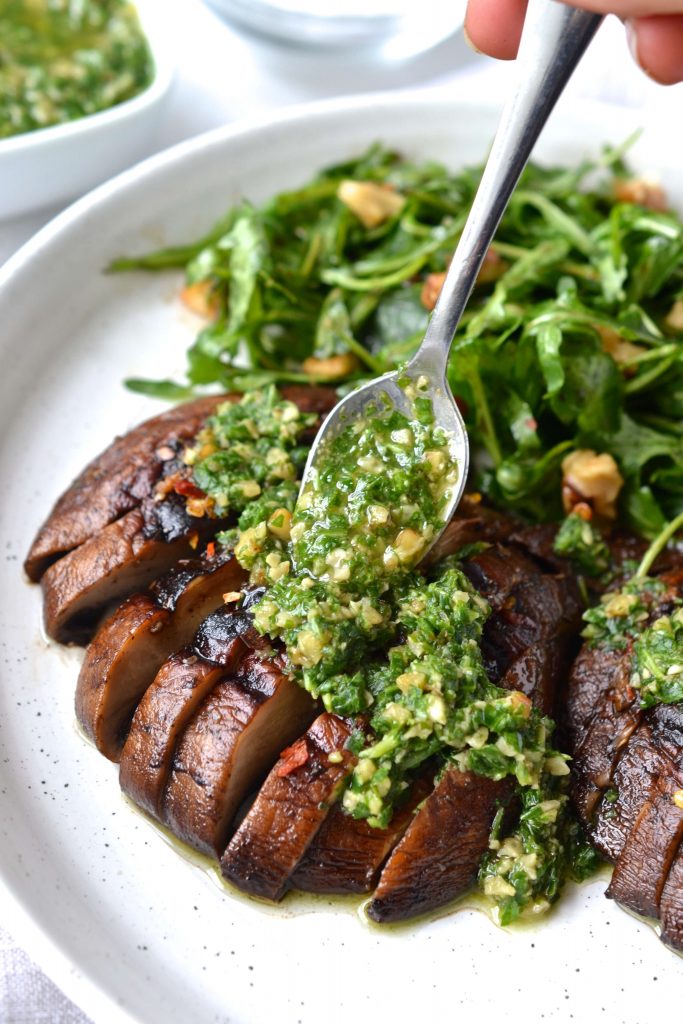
[549, 344]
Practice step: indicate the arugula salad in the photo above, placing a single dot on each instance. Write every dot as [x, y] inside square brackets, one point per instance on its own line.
[572, 340]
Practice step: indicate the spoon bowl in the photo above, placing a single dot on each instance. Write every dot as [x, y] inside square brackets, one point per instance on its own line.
[391, 389]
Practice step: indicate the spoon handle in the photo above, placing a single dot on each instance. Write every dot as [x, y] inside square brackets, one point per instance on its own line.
[554, 39]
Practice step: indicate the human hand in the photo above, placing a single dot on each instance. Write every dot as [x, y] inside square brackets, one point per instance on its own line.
[654, 28]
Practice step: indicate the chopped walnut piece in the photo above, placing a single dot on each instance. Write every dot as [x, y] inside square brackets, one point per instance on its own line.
[198, 507]
[492, 268]
[643, 191]
[520, 701]
[674, 318]
[433, 283]
[618, 348]
[593, 479]
[200, 298]
[372, 203]
[333, 368]
[279, 523]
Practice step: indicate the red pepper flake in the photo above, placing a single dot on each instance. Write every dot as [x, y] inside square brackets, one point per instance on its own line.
[188, 489]
[531, 423]
[292, 758]
[210, 549]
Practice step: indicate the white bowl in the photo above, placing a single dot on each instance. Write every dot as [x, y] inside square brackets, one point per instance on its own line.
[51, 165]
[130, 929]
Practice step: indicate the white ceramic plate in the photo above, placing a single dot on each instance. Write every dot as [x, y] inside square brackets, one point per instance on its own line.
[128, 927]
[41, 168]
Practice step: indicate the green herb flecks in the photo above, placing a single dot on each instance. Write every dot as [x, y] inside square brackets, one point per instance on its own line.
[621, 614]
[581, 542]
[370, 508]
[657, 663]
[342, 589]
[247, 459]
[525, 870]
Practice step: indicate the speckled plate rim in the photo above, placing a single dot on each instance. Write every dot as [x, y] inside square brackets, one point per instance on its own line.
[45, 948]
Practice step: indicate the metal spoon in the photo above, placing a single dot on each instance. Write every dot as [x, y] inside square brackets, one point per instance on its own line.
[554, 39]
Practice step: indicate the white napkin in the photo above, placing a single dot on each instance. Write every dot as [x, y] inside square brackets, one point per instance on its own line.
[27, 996]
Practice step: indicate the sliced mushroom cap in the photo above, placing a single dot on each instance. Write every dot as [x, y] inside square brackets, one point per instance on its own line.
[165, 709]
[115, 482]
[228, 747]
[116, 671]
[438, 857]
[347, 854]
[629, 780]
[289, 809]
[641, 871]
[134, 642]
[671, 904]
[121, 559]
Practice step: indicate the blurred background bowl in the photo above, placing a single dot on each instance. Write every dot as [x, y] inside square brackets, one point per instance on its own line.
[51, 165]
[386, 25]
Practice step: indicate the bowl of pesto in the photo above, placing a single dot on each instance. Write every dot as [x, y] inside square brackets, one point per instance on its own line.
[81, 89]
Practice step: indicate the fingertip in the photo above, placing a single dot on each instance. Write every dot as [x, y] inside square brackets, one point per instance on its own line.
[494, 27]
[468, 39]
[656, 42]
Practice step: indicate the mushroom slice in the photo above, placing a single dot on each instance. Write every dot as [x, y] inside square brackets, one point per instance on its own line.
[227, 748]
[116, 481]
[595, 761]
[595, 672]
[289, 809]
[133, 643]
[671, 904]
[640, 872]
[625, 790]
[347, 854]
[438, 857]
[167, 706]
[125, 557]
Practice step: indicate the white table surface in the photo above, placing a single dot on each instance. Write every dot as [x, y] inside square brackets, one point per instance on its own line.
[223, 75]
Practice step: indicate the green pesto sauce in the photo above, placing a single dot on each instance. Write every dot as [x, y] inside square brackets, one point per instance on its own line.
[583, 544]
[370, 509]
[63, 59]
[248, 458]
[621, 614]
[657, 664]
[369, 633]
